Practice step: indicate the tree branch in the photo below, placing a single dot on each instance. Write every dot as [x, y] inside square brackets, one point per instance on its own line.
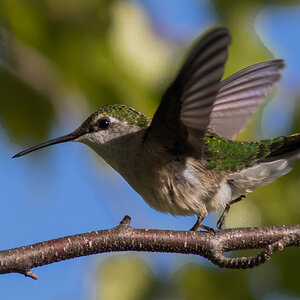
[125, 238]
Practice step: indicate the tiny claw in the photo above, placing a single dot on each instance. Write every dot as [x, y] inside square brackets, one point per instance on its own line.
[209, 230]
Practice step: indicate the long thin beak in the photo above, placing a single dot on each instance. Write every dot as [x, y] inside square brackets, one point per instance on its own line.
[65, 138]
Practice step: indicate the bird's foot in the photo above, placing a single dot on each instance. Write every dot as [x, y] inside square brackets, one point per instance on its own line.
[223, 216]
[226, 210]
[199, 224]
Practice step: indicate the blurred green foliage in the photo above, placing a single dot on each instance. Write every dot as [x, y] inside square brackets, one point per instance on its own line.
[18, 104]
[70, 44]
[57, 55]
[125, 277]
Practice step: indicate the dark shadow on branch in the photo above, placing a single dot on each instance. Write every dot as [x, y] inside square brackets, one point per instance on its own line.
[125, 238]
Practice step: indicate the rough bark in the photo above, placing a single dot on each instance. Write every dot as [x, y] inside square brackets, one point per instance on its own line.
[125, 238]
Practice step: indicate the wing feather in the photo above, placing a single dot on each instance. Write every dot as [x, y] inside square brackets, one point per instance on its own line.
[240, 95]
[183, 115]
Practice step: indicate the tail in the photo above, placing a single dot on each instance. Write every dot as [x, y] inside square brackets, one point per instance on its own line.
[285, 147]
[280, 153]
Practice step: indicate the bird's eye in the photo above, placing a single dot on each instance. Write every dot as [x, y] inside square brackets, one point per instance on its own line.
[103, 123]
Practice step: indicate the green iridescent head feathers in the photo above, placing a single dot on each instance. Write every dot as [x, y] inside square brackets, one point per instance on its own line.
[125, 114]
[117, 111]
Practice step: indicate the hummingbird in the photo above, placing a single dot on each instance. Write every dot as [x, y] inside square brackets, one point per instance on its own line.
[184, 161]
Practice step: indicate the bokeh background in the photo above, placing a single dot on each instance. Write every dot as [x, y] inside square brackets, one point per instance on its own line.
[60, 61]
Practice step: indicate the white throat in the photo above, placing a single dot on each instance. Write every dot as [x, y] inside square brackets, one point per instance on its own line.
[120, 153]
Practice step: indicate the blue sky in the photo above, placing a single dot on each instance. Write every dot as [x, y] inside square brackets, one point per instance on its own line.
[65, 189]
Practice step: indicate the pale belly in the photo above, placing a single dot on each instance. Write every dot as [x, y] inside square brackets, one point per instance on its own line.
[185, 191]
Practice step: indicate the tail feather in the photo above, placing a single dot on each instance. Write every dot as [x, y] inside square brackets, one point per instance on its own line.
[288, 148]
[282, 152]
[258, 175]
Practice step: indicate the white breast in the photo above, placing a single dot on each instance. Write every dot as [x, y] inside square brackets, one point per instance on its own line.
[222, 197]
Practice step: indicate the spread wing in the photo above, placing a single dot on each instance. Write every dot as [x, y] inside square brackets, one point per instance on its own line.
[184, 113]
[240, 95]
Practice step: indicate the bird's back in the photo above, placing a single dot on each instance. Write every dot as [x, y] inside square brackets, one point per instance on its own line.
[233, 156]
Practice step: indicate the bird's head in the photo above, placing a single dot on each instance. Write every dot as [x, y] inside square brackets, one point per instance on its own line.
[104, 127]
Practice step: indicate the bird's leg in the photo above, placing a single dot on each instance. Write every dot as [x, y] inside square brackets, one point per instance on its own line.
[226, 210]
[199, 224]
